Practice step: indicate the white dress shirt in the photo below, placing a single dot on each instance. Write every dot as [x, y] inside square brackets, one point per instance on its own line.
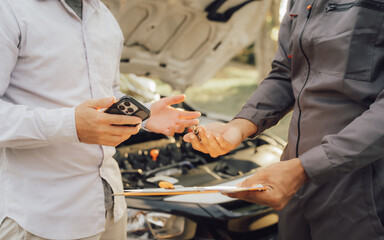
[50, 62]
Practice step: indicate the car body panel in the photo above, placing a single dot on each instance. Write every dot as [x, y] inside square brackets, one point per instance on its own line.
[184, 42]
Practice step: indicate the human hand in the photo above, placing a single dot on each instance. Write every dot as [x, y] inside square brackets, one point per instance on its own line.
[95, 127]
[218, 138]
[214, 139]
[168, 120]
[283, 180]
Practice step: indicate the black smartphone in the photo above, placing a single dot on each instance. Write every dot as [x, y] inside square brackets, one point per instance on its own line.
[127, 105]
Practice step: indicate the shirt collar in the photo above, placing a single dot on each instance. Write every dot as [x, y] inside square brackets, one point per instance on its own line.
[93, 3]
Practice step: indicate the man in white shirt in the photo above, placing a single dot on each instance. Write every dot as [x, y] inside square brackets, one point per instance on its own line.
[58, 66]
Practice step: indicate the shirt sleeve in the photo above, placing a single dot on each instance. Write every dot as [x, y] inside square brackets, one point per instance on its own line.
[20, 126]
[360, 143]
[274, 97]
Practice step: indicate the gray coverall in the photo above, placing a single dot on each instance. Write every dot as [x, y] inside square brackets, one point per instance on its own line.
[329, 69]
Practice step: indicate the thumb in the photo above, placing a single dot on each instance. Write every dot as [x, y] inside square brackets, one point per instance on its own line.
[101, 102]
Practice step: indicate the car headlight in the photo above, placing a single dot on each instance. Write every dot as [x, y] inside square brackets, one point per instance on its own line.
[156, 225]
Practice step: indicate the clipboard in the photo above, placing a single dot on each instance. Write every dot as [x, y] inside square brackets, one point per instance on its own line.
[189, 190]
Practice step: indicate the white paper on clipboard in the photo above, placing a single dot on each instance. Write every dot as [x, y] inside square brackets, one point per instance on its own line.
[189, 190]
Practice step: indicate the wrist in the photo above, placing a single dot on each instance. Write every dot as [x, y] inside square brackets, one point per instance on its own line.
[302, 176]
[244, 126]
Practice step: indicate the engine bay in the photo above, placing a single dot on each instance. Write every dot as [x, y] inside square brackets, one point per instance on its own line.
[148, 158]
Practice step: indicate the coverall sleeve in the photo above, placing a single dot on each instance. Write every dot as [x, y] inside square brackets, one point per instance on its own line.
[20, 126]
[360, 143]
[274, 97]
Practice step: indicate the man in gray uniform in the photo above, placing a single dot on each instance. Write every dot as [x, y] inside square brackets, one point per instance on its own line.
[329, 71]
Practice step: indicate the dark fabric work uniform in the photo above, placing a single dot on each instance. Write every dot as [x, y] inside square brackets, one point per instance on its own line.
[329, 69]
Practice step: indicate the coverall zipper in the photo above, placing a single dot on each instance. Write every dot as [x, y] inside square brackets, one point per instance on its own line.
[306, 80]
[374, 5]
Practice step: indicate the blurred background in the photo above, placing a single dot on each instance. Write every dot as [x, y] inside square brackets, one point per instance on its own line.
[232, 85]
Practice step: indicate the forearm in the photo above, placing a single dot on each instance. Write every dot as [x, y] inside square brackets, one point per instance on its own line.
[274, 97]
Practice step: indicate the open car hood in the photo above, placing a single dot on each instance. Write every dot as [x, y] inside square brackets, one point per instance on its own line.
[184, 42]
